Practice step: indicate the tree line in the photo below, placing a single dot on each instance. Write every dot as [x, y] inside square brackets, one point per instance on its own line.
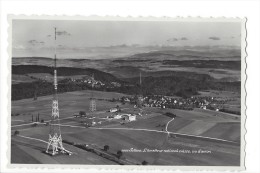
[176, 84]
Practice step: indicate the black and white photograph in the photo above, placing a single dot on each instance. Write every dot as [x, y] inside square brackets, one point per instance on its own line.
[155, 92]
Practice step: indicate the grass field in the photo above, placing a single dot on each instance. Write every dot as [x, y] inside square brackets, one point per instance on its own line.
[79, 101]
[33, 152]
[221, 154]
[21, 79]
[126, 136]
[16, 155]
[233, 99]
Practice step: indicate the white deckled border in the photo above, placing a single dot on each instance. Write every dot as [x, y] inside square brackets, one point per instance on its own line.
[125, 167]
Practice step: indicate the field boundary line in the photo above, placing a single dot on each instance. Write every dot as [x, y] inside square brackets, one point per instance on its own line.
[166, 127]
[36, 139]
[39, 122]
[65, 125]
[23, 124]
[181, 134]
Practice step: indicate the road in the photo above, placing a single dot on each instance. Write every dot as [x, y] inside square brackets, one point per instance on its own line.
[39, 122]
[180, 134]
[98, 112]
[40, 140]
[151, 130]
[166, 127]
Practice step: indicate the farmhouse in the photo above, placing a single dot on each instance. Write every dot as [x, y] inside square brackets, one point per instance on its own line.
[118, 116]
[129, 117]
[132, 117]
[113, 110]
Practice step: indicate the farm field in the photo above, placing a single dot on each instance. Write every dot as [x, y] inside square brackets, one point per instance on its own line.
[147, 132]
[21, 79]
[233, 99]
[23, 110]
[35, 152]
[124, 139]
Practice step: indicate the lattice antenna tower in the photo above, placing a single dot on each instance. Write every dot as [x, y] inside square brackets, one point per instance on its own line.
[92, 106]
[55, 140]
[140, 79]
[140, 97]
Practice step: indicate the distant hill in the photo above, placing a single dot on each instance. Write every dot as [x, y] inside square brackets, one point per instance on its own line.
[214, 64]
[183, 85]
[63, 71]
[166, 71]
[211, 54]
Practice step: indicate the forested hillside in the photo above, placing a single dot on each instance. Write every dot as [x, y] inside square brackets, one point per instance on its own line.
[183, 84]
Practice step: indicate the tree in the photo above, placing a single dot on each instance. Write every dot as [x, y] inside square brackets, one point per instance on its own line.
[16, 132]
[82, 113]
[119, 154]
[35, 95]
[144, 162]
[106, 147]
[123, 100]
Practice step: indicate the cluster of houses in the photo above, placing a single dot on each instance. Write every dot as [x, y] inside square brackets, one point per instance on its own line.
[123, 116]
[89, 81]
[116, 114]
[203, 102]
[116, 84]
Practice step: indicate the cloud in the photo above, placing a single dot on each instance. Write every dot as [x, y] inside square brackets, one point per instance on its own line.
[65, 33]
[214, 38]
[19, 47]
[184, 38]
[32, 41]
[172, 39]
[177, 39]
[36, 43]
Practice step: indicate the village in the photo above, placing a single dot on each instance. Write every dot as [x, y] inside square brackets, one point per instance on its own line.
[160, 101]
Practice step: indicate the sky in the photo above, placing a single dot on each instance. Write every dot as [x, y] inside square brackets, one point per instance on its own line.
[36, 37]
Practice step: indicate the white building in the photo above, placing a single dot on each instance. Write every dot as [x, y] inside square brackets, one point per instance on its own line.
[203, 107]
[132, 118]
[129, 117]
[117, 116]
[113, 110]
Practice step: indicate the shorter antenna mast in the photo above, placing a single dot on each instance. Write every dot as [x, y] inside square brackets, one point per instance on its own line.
[55, 48]
[140, 79]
